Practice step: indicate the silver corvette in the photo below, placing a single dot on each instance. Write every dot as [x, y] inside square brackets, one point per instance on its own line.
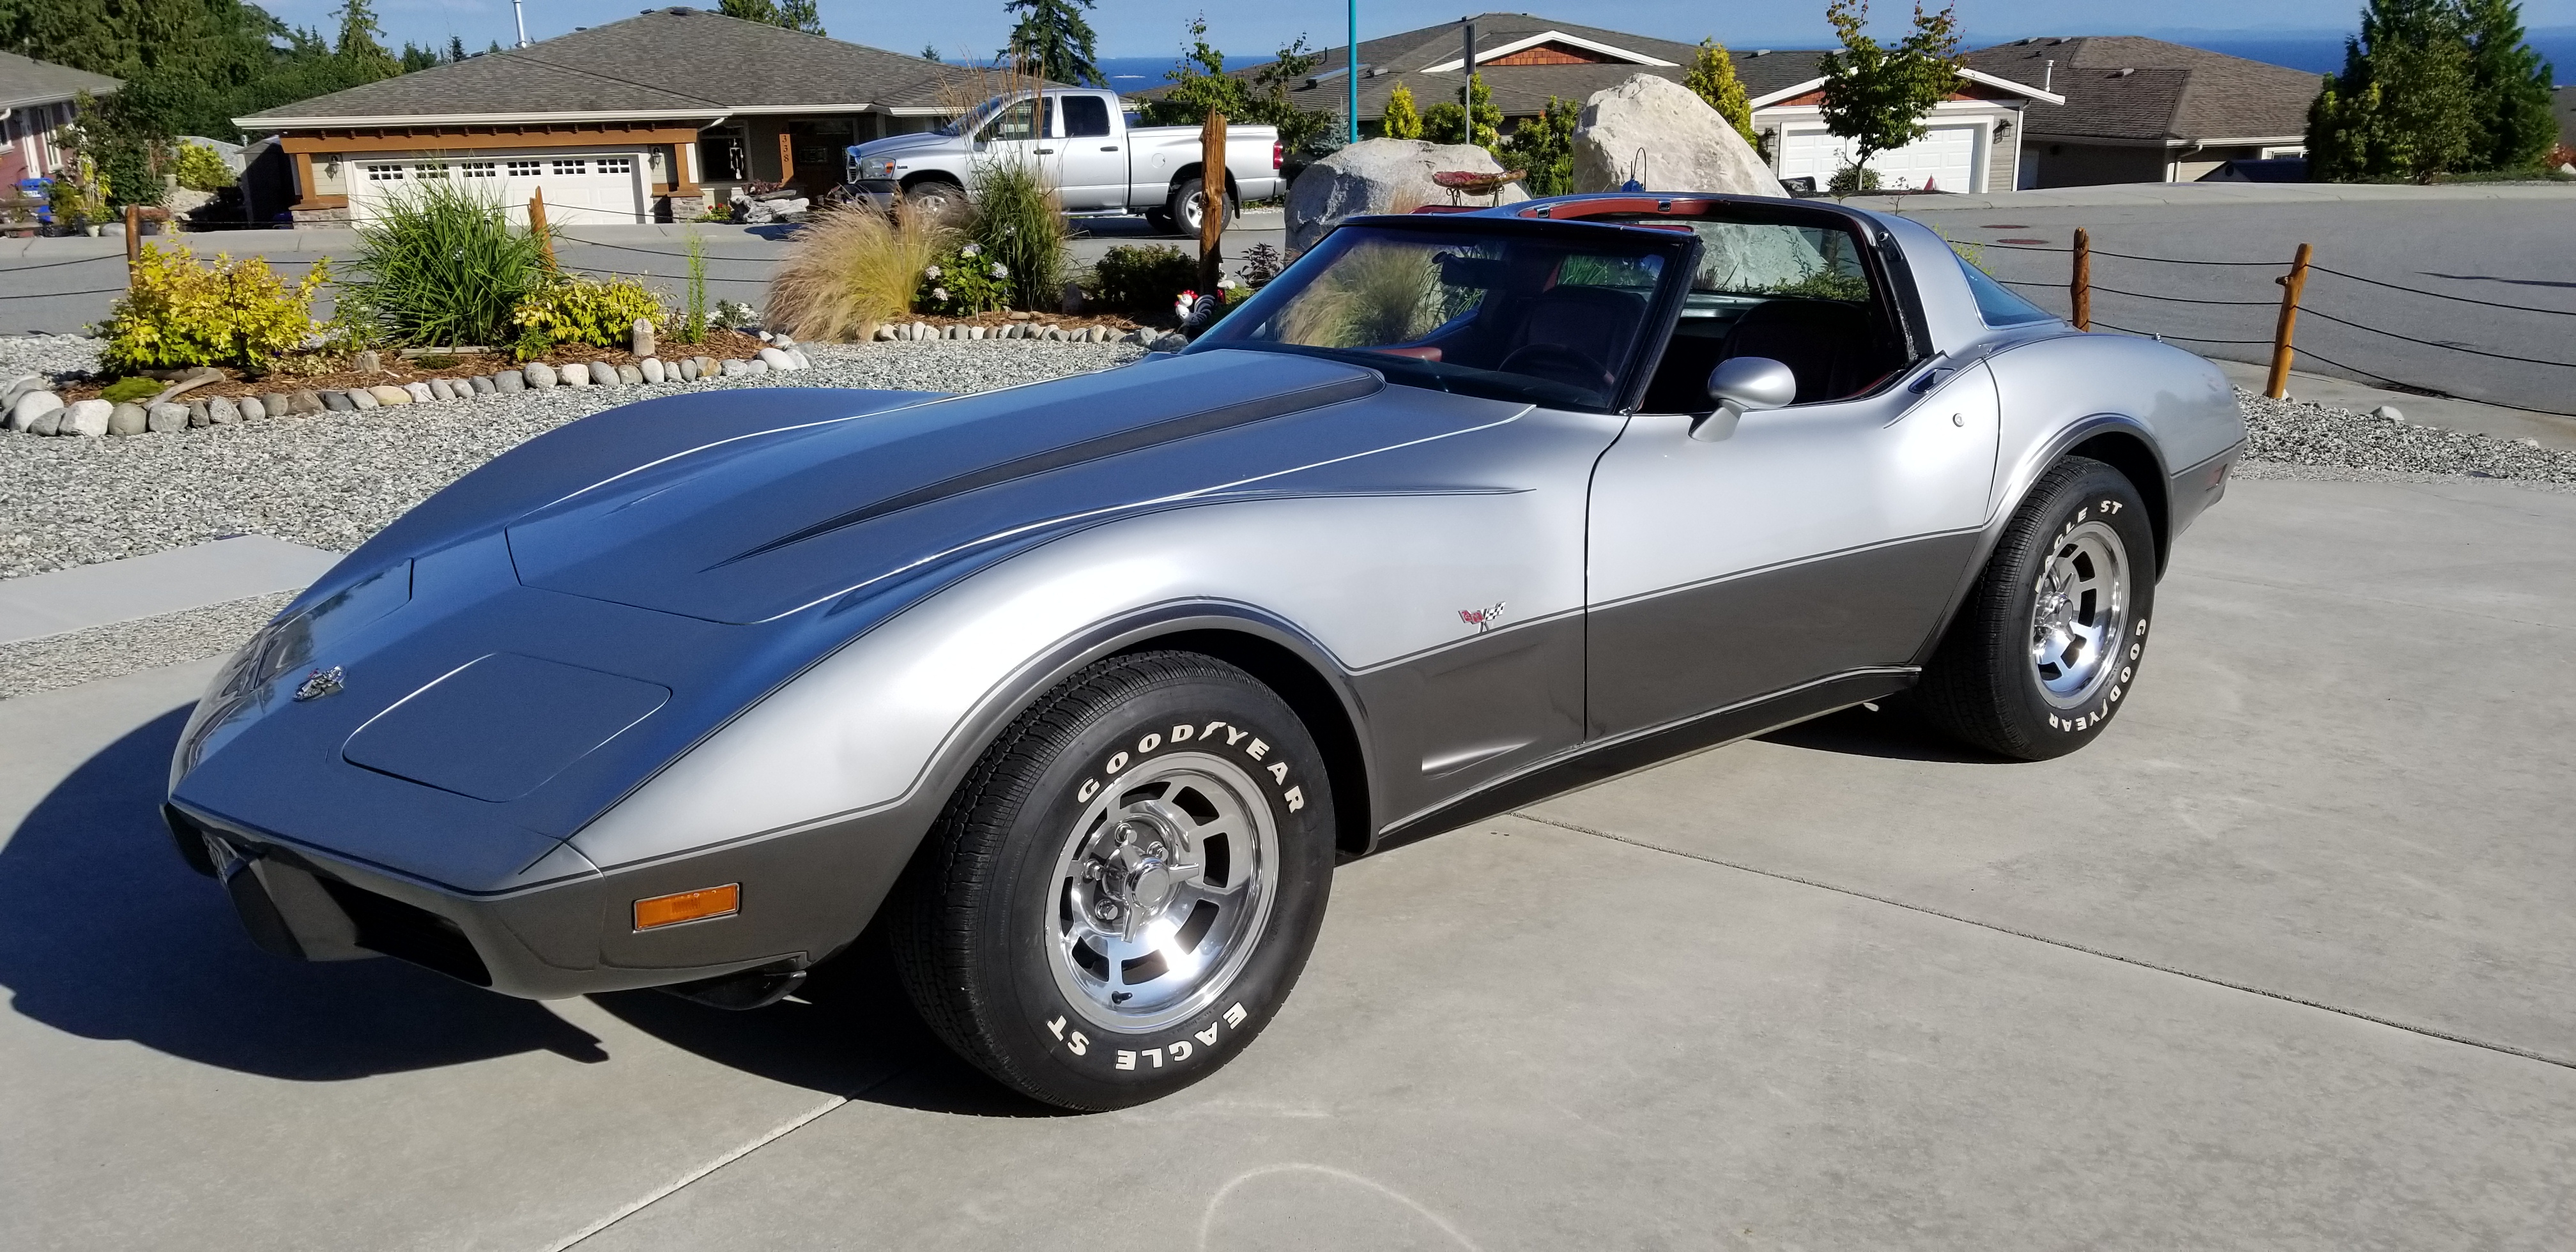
[1076, 692]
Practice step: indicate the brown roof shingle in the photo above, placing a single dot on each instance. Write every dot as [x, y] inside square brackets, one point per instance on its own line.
[2147, 90]
[25, 82]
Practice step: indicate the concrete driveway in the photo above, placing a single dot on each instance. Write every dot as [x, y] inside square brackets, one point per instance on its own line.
[2282, 962]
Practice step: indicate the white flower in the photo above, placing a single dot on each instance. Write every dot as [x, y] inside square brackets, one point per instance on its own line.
[999, 272]
[970, 250]
[932, 273]
[939, 294]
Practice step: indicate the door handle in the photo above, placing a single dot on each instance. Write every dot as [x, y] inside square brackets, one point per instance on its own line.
[1109, 148]
[1046, 152]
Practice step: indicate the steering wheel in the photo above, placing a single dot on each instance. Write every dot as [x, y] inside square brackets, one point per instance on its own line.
[1557, 364]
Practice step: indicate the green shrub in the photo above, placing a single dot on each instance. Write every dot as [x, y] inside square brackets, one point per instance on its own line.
[964, 282]
[1018, 222]
[589, 311]
[1142, 280]
[201, 170]
[443, 265]
[178, 311]
[132, 390]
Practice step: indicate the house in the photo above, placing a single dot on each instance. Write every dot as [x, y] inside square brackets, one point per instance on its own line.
[2147, 111]
[1973, 144]
[2562, 100]
[639, 120]
[35, 101]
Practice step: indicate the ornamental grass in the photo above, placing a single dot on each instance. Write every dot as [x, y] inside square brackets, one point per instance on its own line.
[851, 268]
[444, 265]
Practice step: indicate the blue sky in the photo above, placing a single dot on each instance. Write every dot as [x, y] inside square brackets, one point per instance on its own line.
[1153, 27]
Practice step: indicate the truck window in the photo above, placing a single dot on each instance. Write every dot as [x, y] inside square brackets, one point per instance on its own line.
[1085, 117]
[1016, 122]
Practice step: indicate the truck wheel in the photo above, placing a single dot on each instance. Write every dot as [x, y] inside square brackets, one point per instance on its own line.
[938, 201]
[1185, 209]
[1161, 221]
[1125, 887]
[2050, 639]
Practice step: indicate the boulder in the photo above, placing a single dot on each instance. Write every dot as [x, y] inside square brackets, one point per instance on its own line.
[651, 369]
[1665, 137]
[252, 408]
[538, 374]
[221, 411]
[640, 339]
[1380, 176]
[603, 374]
[34, 404]
[88, 418]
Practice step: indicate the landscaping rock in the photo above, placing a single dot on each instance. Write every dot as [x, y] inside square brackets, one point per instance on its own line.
[24, 411]
[731, 367]
[307, 401]
[650, 369]
[1172, 341]
[88, 418]
[440, 390]
[389, 396]
[803, 362]
[480, 386]
[128, 419]
[755, 367]
[1380, 176]
[538, 374]
[706, 366]
[420, 393]
[574, 374]
[688, 369]
[630, 375]
[221, 411]
[276, 403]
[883, 334]
[197, 417]
[252, 408]
[363, 399]
[45, 425]
[781, 341]
[510, 380]
[20, 386]
[1664, 136]
[603, 374]
[775, 359]
[339, 402]
[367, 362]
[641, 339]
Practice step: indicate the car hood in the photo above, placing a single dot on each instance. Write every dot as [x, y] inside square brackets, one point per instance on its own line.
[896, 145]
[756, 527]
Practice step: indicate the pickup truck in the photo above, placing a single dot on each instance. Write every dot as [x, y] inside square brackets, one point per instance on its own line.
[1098, 160]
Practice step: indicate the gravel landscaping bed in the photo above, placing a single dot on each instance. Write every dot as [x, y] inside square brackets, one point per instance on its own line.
[332, 479]
[78, 656]
[2320, 441]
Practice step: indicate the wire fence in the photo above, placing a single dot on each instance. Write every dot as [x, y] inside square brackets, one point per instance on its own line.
[2304, 300]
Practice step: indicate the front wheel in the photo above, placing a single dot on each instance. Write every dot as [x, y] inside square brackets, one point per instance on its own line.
[1123, 891]
[937, 202]
[2051, 638]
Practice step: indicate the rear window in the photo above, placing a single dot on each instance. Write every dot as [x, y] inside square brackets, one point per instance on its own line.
[1997, 306]
[1085, 117]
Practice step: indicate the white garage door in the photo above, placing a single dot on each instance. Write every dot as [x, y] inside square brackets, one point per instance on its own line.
[579, 190]
[1945, 159]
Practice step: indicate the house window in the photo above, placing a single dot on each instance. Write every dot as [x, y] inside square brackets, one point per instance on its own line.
[384, 173]
[616, 165]
[574, 166]
[478, 169]
[526, 169]
[723, 155]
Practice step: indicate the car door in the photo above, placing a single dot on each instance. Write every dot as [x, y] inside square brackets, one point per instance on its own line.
[1092, 153]
[1020, 135]
[1812, 540]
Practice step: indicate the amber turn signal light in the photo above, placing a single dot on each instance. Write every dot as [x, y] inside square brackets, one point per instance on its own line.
[689, 906]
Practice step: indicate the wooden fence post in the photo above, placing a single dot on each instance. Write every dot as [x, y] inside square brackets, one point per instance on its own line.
[133, 241]
[2278, 385]
[2079, 289]
[537, 224]
[1212, 201]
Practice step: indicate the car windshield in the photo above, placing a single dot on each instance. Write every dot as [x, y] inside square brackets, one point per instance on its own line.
[974, 117]
[1552, 317]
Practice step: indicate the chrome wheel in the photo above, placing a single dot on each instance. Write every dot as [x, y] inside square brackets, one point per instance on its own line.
[1162, 888]
[2078, 612]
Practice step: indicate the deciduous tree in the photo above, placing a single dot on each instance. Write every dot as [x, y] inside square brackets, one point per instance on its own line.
[1712, 75]
[1875, 95]
[2403, 106]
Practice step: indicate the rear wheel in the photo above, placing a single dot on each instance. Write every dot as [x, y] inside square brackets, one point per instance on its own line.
[1127, 885]
[2051, 638]
[1160, 220]
[1187, 208]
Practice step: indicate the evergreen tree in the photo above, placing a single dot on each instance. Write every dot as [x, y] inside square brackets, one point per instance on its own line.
[929, 52]
[1543, 149]
[455, 48]
[2510, 85]
[1480, 123]
[1712, 75]
[358, 46]
[1054, 41]
[1200, 85]
[1403, 121]
[2403, 106]
[801, 15]
[1877, 96]
[416, 58]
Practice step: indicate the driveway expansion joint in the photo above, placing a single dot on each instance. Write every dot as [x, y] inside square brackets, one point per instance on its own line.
[2247, 988]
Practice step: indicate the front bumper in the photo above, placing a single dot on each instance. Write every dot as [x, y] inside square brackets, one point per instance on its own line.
[804, 896]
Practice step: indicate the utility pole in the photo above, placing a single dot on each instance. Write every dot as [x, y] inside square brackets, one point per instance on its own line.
[1467, 89]
[1351, 70]
[518, 11]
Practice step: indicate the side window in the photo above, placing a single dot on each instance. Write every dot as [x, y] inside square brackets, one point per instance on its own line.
[1996, 306]
[1015, 122]
[1085, 117]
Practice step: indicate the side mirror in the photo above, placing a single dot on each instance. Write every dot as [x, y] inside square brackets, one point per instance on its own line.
[1740, 385]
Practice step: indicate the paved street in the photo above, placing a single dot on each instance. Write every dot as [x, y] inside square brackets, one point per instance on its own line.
[2282, 962]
